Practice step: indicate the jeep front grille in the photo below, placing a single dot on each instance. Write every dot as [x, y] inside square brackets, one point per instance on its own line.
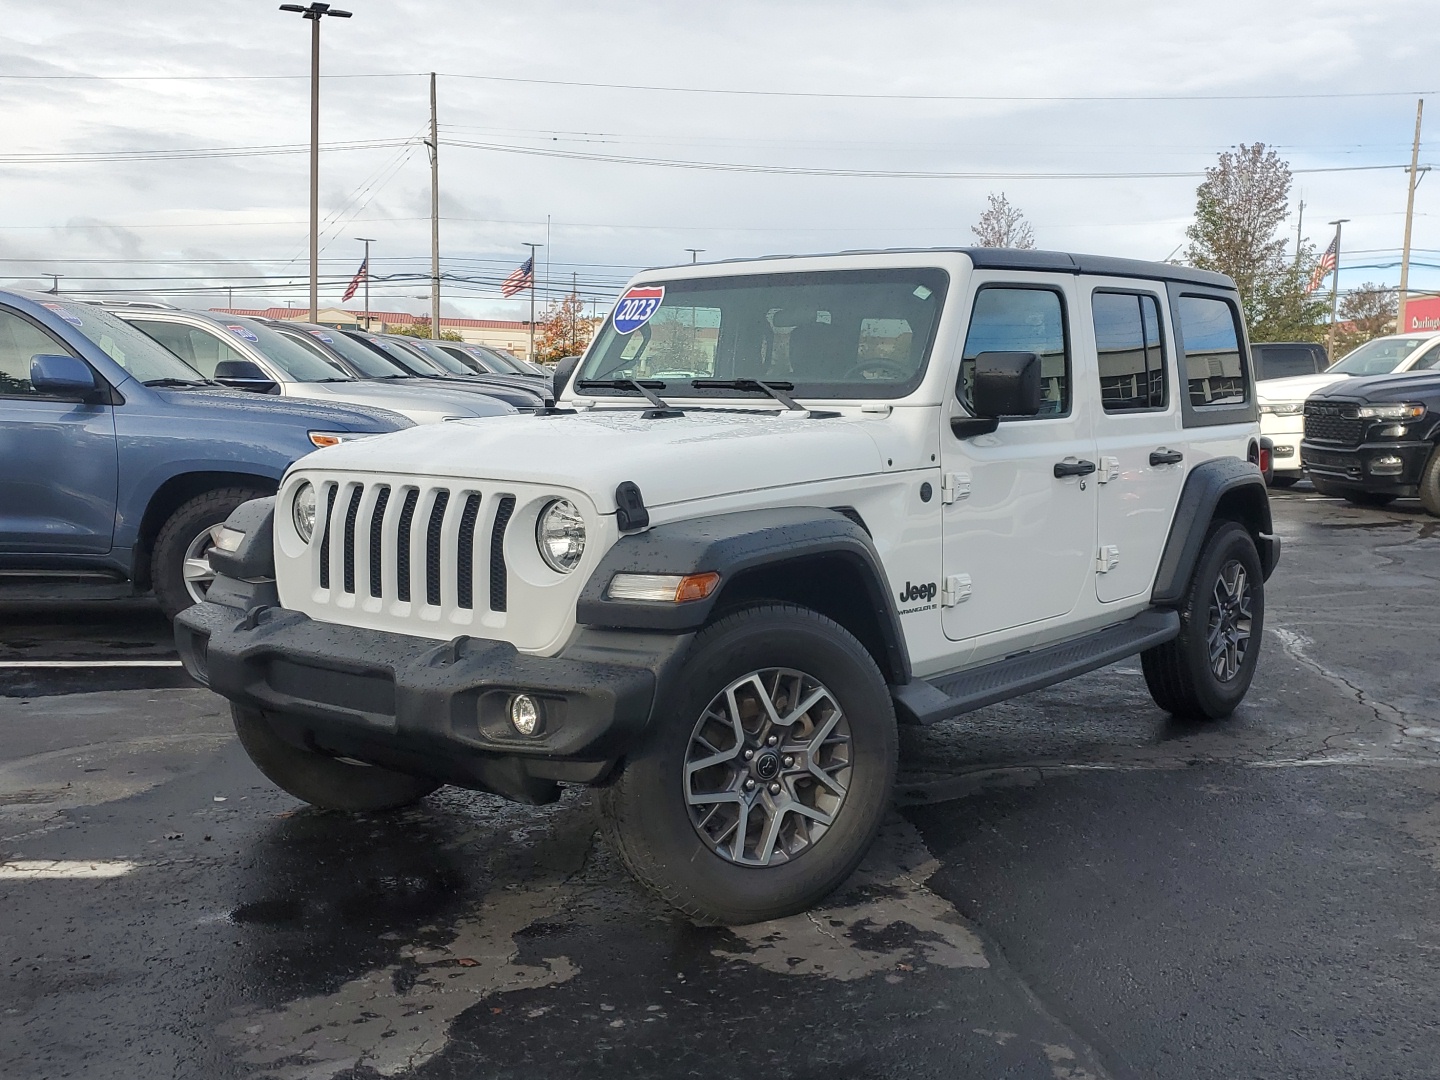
[1327, 422]
[401, 542]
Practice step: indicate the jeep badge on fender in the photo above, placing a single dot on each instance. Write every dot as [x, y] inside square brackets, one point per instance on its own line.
[681, 585]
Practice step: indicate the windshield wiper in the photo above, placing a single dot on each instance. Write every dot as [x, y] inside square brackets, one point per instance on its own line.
[775, 389]
[641, 386]
[179, 382]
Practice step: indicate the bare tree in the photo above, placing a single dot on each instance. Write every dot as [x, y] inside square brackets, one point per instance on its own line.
[1003, 226]
[1366, 312]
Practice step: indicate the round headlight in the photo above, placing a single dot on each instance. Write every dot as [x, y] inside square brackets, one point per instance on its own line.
[560, 535]
[302, 510]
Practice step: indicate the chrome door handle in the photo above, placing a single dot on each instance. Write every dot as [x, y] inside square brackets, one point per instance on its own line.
[1166, 457]
[1073, 468]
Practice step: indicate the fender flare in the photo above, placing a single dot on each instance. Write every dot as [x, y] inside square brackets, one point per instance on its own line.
[730, 545]
[1239, 484]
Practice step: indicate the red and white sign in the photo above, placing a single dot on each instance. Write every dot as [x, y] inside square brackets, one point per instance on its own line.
[1421, 316]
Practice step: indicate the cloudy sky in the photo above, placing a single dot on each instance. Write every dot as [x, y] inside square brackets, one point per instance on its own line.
[157, 148]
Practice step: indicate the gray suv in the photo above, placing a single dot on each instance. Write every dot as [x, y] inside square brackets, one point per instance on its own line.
[248, 354]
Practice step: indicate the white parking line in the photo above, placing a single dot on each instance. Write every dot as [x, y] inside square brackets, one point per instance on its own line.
[63, 868]
[21, 664]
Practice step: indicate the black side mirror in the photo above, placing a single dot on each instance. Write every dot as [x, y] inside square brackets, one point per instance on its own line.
[564, 368]
[1005, 384]
[63, 376]
[244, 375]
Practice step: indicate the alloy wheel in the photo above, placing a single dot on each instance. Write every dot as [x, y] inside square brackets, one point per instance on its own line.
[196, 569]
[1228, 633]
[767, 767]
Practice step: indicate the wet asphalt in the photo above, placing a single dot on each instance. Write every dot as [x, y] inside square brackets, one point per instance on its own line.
[1071, 886]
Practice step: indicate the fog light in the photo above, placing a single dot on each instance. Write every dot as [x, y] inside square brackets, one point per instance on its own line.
[1389, 465]
[525, 714]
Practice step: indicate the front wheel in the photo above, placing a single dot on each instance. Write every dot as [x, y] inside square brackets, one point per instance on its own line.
[180, 568]
[1369, 498]
[1204, 673]
[1430, 484]
[1284, 480]
[767, 773]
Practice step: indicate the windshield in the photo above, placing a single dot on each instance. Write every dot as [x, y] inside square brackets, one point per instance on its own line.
[439, 357]
[1378, 357]
[134, 350]
[475, 358]
[835, 333]
[366, 361]
[513, 362]
[1282, 361]
[403, 358]
[294, 359]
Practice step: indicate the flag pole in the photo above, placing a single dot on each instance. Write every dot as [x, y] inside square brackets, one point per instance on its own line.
[1334, 290]
[532, 248]
[367, 241]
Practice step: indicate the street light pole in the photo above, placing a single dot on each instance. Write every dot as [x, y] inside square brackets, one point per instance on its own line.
[694, 252]
[367, 241]
[55, 283]
[532, 248]
[315, 12]
[1334, 290]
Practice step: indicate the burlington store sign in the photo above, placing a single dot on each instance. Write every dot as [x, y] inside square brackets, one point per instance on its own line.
[1421, 316]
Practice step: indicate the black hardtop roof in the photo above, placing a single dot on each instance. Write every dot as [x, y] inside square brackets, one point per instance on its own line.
[1062, 262]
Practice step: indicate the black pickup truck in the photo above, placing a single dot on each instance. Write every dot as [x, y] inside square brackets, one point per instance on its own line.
[1373, 440]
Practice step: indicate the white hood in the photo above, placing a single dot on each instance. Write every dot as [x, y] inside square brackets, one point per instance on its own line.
[701, 454]
[1296, 387]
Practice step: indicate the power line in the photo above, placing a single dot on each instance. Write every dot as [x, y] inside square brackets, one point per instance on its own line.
[191, 153]
[738, 91]
[884, 174]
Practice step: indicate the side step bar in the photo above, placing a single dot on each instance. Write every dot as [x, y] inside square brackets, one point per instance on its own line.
[925, 702]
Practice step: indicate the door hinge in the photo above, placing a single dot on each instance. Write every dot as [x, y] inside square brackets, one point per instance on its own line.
[954, 487]
[1109, 470]
[1107, 559]
[956, 590]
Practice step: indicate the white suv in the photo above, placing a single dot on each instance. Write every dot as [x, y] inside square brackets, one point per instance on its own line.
[1282, 401]
[869, 489]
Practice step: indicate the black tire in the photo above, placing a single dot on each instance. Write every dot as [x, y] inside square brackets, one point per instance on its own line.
[1329, 490]
[647, 810]
[1181, 674]
[321, 780]
[1430, 484]
[191, 519]
[1284, 480]
[1368, 498]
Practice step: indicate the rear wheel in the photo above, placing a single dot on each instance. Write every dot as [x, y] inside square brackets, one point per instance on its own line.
[767, 774]
[1205, 672]
[1430, 484]
[321, 780]
[180, 560]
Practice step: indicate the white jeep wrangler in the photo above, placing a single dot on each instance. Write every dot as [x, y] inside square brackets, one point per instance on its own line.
[782, 505]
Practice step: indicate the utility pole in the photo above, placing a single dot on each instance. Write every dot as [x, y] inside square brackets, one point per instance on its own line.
[1334, 289]
[574, 303]
[1299, 233]
[367, 241]
[315, 12]
[532, 248]
[434, 215]
[1409, 219]
[694, 252]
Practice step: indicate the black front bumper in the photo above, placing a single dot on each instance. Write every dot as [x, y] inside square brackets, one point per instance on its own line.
[1356, 467]
[437, 709]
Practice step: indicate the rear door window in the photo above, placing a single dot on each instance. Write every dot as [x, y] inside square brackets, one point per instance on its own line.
[1214, 369]
[1131, 354]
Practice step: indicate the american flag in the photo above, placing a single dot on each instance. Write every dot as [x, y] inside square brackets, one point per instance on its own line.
[520, 278]
[1327, 264]
[357, 280]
